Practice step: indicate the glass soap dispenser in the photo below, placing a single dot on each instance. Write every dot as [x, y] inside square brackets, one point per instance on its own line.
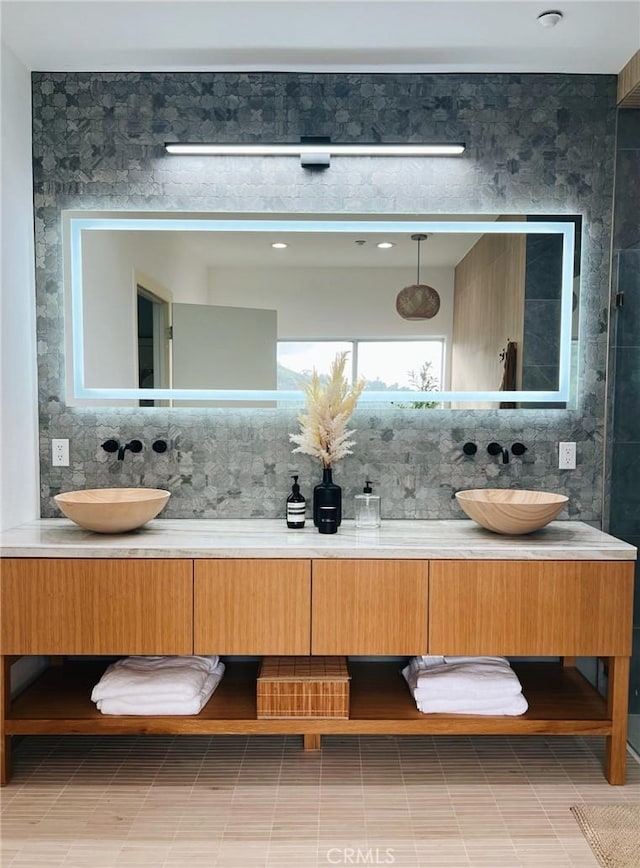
[367, 507]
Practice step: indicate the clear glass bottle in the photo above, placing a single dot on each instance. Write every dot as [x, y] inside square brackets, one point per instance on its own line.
[367, 507]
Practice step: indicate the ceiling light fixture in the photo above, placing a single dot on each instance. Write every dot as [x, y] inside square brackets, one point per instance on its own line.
[418, 301]
[385, 245]
[279, 245]
[550, 18]
[315, 153]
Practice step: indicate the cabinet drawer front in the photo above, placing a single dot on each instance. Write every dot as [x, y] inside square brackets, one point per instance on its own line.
[258, 606]
[369, 607]
[69, 606]
[547, 608]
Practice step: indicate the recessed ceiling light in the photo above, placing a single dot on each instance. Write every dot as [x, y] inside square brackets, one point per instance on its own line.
[550, 18]
[279, 245]
[385, 245]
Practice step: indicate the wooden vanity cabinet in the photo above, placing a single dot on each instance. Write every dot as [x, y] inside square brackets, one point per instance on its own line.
[325, 606]
[530, 608]
[369, 607]
[257, 606]
[95, 606]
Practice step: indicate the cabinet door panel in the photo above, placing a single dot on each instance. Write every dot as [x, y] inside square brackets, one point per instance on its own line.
[259, 606]
[546, 608]
[115, 606]
[369, 607]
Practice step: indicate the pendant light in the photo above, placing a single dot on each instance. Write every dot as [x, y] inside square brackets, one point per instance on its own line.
[418, 301]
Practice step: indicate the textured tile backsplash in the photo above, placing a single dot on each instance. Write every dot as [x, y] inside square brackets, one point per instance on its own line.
[536, 144]
[624, 444]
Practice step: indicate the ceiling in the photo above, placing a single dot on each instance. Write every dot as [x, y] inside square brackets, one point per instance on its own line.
[595, 36]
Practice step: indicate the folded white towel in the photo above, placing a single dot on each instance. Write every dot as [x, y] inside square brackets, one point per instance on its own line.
[174, 678]
[469, 677]
[465, 685]
[511, 706]
[429, 660]
[152, 705]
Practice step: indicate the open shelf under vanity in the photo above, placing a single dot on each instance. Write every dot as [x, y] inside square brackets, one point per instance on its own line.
[561, 701]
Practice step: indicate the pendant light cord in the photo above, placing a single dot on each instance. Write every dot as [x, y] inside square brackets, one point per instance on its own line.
[419, 238]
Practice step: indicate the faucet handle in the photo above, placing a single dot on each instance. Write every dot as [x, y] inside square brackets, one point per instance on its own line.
[518, 449]
[110, 445]
[134, 446]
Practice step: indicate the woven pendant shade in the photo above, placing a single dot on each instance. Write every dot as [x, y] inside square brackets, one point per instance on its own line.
[418, 301]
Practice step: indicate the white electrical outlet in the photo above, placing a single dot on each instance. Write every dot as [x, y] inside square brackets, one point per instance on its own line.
[59, 453]
[567, 456]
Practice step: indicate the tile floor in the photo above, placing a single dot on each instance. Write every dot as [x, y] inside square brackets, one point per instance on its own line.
[244, 802]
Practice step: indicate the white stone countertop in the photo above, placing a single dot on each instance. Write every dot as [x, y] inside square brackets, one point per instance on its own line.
[270, 538]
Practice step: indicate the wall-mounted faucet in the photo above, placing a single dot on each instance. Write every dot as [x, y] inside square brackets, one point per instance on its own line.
[496, 449]
[114, 446]
[132, 446]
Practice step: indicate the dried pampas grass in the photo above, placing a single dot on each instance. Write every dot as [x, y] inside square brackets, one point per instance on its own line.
[323, 427]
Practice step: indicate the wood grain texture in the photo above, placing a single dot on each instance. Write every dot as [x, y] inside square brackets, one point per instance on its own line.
[5, 706]
[257, 606]
[369, 607]
[617, 707]
[629, 83]
[488, 311]
[112, 510]
[545, 608]
[116, 606]
[511, 510]
[560, 701]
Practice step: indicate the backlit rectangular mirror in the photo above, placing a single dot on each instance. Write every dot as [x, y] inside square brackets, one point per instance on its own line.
[476, 311]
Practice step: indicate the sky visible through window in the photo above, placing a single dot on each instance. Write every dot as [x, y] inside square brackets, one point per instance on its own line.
[384, 364]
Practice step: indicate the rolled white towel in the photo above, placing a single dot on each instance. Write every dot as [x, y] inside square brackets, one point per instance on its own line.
[171, 677]
[511, 706]
[151, 705]
[466, 678]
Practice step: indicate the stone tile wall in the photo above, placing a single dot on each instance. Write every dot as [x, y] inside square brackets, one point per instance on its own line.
[625, 361]
[536, 144]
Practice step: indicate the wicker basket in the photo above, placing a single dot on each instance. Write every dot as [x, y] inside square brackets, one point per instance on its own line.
[303, 687]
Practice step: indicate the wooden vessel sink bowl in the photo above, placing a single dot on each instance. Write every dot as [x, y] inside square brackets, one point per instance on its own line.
[112, 510]
[511, 511]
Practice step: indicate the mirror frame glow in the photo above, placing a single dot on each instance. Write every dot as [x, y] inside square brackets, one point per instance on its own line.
[74, 225]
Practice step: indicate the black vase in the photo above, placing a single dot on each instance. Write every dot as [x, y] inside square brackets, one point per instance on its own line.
[327, 494]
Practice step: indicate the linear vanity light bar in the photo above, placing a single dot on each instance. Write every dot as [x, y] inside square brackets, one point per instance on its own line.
[298, 150]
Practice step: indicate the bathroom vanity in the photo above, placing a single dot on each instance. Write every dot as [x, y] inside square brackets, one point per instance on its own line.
[245, 588]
